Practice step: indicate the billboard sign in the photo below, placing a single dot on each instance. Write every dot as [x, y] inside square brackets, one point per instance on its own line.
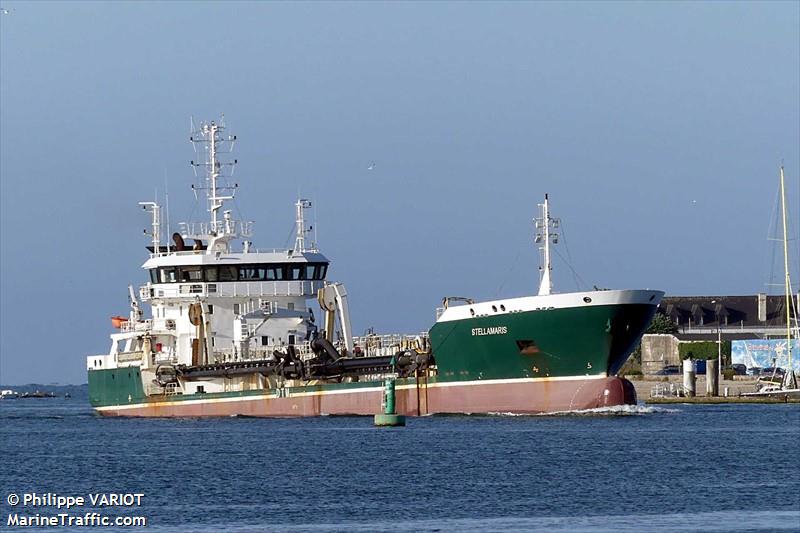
[765, 353]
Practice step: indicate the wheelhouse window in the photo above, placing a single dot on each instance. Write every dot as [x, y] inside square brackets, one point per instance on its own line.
[307, 271]
[168, 275]
[252, 272]
[228, 273]
[298, 272]
[275, 273]
[190, 274]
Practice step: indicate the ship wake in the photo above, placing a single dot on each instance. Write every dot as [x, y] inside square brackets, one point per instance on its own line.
[614, 410]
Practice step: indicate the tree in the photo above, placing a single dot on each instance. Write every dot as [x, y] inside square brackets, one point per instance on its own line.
[662, 324]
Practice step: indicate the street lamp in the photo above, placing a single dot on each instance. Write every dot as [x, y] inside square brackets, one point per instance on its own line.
[719, 348]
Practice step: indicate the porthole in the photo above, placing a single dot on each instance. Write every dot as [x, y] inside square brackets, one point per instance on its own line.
[502, 307]
[652, 297]
[471, 311]
[494, 308]
[587, 299]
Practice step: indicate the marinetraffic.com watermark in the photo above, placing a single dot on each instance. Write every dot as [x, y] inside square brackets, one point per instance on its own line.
[48, 509]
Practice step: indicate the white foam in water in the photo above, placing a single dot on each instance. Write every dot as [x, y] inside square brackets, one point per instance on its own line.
[614, 410]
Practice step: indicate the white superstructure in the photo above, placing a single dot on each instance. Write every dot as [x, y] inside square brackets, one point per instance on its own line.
[213, 304]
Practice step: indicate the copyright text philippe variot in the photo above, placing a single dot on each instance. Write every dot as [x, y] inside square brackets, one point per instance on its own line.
[49, 509]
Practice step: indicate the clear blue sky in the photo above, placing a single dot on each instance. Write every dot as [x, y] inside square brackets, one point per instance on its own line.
[657, 129]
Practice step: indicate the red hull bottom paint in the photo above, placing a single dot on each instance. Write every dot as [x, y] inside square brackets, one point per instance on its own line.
[521, 396]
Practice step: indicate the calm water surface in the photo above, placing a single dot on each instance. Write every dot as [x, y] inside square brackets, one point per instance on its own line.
[687, 467]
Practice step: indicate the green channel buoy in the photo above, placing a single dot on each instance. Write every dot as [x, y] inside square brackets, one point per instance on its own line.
[389, 418]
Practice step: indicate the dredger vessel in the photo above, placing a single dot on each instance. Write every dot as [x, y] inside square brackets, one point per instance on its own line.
[232, 331]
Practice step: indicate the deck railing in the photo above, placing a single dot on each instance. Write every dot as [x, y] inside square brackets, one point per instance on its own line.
[231, 289]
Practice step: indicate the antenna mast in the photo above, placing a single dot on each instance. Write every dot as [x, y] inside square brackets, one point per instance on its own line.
[166, 201]
[155, 233]
[545, 233]
[218, 231]
[300, 225]
[210, 134]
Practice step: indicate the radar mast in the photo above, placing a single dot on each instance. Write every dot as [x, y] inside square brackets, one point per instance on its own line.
[209, 139]
[300, 227]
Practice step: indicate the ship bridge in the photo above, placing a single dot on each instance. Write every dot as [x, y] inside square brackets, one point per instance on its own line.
[273, 273]
[210, 267]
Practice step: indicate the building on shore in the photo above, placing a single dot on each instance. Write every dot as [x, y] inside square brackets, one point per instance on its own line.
[714, 319]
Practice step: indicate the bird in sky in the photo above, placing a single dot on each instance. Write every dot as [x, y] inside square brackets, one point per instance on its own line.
[5, 11]
[371, 166]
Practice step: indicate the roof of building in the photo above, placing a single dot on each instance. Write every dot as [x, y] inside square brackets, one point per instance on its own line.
[726, 336]
[726, 311]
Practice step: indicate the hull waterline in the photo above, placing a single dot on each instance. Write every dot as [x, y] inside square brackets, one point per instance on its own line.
[518, 396]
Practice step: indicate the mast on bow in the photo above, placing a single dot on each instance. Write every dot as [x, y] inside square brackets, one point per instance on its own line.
[546, 227]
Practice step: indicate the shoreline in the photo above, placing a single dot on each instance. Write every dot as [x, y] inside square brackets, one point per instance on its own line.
[735, 387]
[718, 400]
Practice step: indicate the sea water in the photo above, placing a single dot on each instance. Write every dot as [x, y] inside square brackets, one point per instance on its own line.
[682, 468]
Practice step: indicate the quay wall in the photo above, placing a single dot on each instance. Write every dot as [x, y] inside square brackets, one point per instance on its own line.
[735, 386]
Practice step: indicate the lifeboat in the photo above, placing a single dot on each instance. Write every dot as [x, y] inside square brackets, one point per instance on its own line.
[118, 321]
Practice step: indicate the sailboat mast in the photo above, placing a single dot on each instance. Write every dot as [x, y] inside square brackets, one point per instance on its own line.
[786, 281]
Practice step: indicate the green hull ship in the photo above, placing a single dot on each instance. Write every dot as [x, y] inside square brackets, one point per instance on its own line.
[231, 334]
[559, 356]
[555, 342]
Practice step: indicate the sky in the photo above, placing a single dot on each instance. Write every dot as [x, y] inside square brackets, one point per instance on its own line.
[656, 128]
